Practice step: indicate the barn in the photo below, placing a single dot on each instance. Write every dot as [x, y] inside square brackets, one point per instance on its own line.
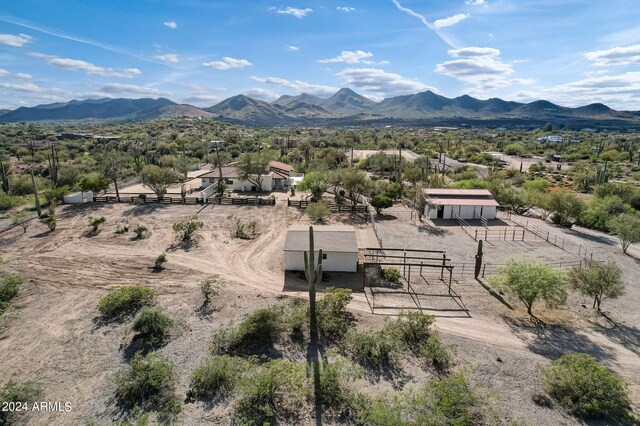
[450, 203]
[338, 244]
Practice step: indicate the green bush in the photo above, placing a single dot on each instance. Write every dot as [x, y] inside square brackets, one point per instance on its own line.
[95, 222]
[333, 319]
[439, 354]
[27, 392]
[152, 325]
[333, 392]
[276, 387]
[141, 231]
[586, 388]
[448, 401]
[391, 274]
[9, 287]
[258, 329]
[122, 227]
[318, 211]
[7, 202]
[160, 261]
[371, 349]
[126, 300]
[147, 383]
[186, 229]
[208, 288]
[217, 376]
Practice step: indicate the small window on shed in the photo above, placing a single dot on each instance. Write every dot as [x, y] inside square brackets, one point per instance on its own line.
[324, 255]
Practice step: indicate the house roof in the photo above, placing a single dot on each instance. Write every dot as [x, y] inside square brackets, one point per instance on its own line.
[227, 172]
[458, 192]
[281, 166]
[333, 238]
[463, 201]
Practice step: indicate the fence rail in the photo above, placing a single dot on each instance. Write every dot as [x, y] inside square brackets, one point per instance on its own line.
[147, 199]
[254, 201]
[303, 204]
[545, 234]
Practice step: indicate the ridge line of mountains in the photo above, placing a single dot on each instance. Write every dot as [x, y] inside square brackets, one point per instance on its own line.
[345, 107]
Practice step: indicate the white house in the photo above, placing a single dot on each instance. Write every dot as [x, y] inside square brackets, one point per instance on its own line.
[338, 244]
[276, 177]
[449, 203]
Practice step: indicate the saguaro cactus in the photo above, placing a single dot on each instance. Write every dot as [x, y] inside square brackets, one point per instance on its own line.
[5, 177]
[35, 193]
[478, 260]
[313, 273]
[602, 174]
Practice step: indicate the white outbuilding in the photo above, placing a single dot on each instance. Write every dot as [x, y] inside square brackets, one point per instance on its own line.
[450, 203]
[338, 244]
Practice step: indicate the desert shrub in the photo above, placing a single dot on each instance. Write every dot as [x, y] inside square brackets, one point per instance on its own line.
[95, 222]
[7, 201]
[147, 383]
[391, 274]
[152, 325]
[439, 354]
[217, 376]
[208, 288]
[122, 227]
[448, 401]
[260, 328]
[371, 349]
[318, 211]
[412, 329]
[141, 231]
[160, 261]
[126, 300]
[186, 229]
[586, 388]
[333, 319]
[27, 392]
[49, 218]
[9, 287]
[278, 388]
[333, 393]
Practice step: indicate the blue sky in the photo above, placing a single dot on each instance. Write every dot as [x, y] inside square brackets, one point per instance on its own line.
[201, 52]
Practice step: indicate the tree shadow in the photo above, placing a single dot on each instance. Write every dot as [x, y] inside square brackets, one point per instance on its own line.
[437, 231]
[206, 310]
[625, 335]
[42, 234]
[138, 344]
[143, 209]
[383, 216]
[92, 233]
[592, 238]
[553, 341]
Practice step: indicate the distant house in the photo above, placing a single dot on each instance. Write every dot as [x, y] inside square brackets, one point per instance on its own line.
[276, 177]
[338, 244]
[449, 203]
[550, 139]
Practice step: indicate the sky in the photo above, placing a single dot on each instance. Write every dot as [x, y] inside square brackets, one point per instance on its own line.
[201, 52]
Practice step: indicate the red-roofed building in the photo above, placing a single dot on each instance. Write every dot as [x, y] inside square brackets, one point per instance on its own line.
[450, 203]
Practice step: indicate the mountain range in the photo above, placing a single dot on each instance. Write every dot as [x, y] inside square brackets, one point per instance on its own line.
[345, 107]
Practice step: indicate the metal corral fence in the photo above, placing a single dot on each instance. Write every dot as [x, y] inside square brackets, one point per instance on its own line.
[545, 234]
[461, 270]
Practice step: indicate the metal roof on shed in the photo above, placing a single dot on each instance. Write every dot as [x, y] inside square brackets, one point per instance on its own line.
[463, 201]
[458, 192]
[330, 238]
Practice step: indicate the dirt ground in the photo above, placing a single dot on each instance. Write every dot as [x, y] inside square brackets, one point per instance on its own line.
[53, 336]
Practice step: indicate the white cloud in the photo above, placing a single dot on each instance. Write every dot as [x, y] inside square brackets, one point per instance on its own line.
[476, 2]
[87, 67]
[345, 9]
[293, 11]
[350, 57]
[15, 40]
[480, 67]
[31, 88]
[131, 88]
[469, 52]
[297, 85]
[292, 48]
[452, 20]
[228, 63]
[167, 57]
[23, 76]
[3, 72]
[262, 94]
[170, 24]
[615, 56]
[618, 91]
[381, 83]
